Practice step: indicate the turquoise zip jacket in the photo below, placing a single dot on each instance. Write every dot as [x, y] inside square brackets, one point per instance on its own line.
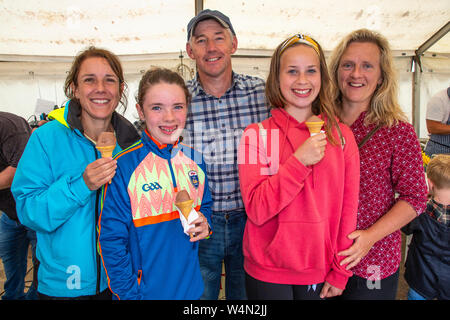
[53, 199]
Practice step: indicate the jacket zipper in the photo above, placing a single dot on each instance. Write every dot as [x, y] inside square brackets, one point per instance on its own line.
[97, 256]
[174, 181]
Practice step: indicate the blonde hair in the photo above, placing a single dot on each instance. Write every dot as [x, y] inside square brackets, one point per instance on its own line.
[323, 103]
[384, 108]
[438, 171]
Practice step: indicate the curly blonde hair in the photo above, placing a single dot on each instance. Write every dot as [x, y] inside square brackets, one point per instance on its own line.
[384, 107]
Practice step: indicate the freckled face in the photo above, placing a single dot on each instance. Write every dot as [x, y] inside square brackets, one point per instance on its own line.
[164, 111]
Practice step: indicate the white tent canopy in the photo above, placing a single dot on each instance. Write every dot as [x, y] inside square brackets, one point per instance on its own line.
[40, 38]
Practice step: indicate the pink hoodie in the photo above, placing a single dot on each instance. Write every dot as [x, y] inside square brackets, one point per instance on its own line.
[298, 217]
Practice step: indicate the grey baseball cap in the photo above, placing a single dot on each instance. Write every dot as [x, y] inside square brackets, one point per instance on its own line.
[209, 14]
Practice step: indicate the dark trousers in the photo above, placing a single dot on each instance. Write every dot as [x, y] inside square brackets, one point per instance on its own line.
[362, 289]
[104, 295]
[260, 290]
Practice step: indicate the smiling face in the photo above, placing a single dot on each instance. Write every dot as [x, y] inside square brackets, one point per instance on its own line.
[98, 90]
[211, 47]
[164, 111]
[300, 79]
[359, 73]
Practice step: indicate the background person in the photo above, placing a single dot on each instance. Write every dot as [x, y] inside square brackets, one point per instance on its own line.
[14, 237]
[300, 213]
[223, 104]
[365, 95]
[428, 260]
[58, 178]
[438, 123]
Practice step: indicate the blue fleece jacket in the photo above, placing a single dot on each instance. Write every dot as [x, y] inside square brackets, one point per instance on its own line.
[145, 252]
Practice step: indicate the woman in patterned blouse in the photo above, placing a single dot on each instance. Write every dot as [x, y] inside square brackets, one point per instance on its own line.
[392, 183]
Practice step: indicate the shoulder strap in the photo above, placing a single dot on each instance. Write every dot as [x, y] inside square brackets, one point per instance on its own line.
[263, 135]
[369, 135]
[341, 136]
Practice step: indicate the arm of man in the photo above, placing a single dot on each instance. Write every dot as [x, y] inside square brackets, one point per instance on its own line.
[437, 115]
[6, 177]
[436, 127]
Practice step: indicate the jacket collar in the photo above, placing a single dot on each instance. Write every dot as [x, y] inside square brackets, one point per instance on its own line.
[163, 150]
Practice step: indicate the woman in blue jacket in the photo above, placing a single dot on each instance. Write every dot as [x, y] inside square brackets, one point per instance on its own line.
[146, 250]
[58, 180]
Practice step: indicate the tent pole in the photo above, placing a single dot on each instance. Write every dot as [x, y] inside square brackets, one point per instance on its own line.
[417, 66]
[198, 6]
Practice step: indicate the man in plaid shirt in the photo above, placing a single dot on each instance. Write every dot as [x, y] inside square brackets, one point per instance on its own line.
[223, 105]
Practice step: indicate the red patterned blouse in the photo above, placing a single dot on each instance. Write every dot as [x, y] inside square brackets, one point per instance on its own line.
[391, 170]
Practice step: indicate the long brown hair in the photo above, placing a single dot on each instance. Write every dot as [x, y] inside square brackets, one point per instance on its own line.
[384, 108]
[321, 105]
[114, 63]
[158, 75]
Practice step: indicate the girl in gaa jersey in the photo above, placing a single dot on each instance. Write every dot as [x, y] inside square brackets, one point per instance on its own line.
[145, 251]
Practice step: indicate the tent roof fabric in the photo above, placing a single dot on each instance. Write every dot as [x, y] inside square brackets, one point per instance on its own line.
[137, 27]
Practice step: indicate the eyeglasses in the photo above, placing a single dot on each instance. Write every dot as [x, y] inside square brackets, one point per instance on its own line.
[299, 38]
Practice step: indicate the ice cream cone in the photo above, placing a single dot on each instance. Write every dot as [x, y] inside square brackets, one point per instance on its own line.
[185, 207]
[314, 124]
[106, 151]
[106, 143]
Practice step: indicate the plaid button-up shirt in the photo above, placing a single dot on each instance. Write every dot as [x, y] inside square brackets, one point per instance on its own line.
[214, 127]
[439, 212]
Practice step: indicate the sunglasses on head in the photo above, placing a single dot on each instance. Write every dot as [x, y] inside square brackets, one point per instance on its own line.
[302, 39]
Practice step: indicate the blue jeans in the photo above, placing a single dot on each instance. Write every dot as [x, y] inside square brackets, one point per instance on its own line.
[413, 295]
[225, 244]
[14, 241]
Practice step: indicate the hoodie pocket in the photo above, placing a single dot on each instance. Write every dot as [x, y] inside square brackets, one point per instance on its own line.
[300, 246]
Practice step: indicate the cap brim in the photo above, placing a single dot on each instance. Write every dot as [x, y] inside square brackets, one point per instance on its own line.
[206, 17]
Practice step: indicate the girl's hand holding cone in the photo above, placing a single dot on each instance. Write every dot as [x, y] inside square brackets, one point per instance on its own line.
[312, 150]
[201, 229]
[184, 203]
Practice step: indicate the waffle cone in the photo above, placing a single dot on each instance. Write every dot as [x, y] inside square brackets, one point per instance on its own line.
[314, 126]
[106, 151]
[185, 207]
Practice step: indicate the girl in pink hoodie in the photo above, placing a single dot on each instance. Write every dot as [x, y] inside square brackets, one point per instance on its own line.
[300, 190]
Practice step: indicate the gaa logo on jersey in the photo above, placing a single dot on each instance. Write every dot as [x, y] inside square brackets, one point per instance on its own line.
[194, 178]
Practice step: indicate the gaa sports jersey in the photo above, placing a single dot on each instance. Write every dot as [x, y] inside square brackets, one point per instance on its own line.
[144, 250]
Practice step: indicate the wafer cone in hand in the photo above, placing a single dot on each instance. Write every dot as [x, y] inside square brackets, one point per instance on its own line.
[184, 204]
[106, 143]
[314, 124]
